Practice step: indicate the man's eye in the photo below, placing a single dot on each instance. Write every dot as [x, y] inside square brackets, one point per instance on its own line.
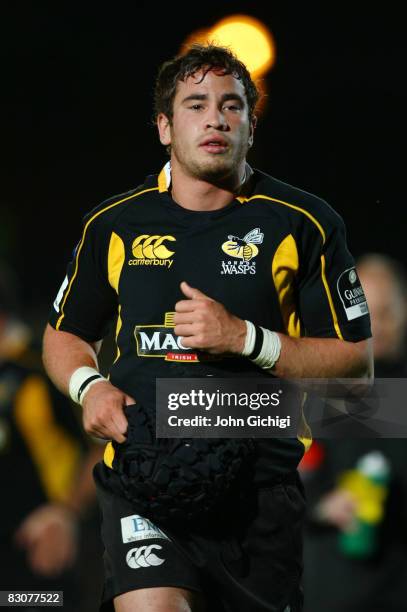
[196, 106]
[233, 107]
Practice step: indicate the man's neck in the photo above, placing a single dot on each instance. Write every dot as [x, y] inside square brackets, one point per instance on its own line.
[195, 194]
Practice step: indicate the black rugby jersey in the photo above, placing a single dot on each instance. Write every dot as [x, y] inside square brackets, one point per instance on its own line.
[277, 257]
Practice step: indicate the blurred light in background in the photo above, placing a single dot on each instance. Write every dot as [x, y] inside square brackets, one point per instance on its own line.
[249, 39]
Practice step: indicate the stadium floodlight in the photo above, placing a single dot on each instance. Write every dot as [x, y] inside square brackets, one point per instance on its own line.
[248, 37]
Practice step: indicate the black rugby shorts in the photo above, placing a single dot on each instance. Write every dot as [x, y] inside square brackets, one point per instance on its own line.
[247, 561]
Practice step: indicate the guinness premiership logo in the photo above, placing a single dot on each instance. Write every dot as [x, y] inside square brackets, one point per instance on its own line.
[151, 251]
[351, 294]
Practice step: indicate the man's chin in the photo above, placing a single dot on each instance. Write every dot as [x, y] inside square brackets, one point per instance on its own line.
[215, 170]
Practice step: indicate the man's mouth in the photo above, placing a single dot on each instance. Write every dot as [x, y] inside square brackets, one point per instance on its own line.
[214, 145]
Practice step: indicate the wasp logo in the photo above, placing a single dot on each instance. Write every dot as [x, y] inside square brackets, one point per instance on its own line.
[151, 251]
[243, 248]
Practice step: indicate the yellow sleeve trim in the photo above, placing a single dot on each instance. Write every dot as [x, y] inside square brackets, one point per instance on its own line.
[136, 195]
[330, 300]
[118, 328]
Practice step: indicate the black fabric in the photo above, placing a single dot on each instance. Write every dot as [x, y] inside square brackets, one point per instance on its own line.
[293, 224]
[86, 383]
[258, 344]
[278, 209]
[245, 560]
[179, 479]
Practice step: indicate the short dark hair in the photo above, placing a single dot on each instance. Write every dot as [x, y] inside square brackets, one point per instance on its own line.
[200, 57]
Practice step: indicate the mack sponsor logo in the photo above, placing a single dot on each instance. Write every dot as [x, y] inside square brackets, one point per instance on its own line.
[150, 250]
[161, 341]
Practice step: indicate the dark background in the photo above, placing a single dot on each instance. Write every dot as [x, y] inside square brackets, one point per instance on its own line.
[76, 111]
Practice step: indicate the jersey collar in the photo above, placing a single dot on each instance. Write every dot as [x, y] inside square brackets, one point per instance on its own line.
[164, 181]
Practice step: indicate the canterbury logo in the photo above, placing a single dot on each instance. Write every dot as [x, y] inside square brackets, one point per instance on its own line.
[152, 247]
[144, 557]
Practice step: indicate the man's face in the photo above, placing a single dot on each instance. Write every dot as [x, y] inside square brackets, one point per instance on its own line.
[387, 312]
[210, 131]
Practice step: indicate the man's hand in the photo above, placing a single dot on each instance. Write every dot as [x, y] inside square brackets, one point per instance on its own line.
[337, 508]
[206, 325]
[103, 414]
[49, 537]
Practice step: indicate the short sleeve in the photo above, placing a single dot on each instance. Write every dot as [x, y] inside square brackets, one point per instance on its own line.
[86, 304]
[331, 298]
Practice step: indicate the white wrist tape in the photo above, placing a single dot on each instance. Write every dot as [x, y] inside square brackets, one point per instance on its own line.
[270, 350]
[262, 346]
[250, 339]
[81, 381]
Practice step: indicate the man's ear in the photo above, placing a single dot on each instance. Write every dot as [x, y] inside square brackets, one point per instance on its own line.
[164, 129]
[253, 124]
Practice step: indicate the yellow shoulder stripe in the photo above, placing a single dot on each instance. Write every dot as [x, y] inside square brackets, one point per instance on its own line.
[324, 279]
[302, 210]
[135, 195]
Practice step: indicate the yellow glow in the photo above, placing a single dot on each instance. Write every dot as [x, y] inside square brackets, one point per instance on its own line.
[249, 39]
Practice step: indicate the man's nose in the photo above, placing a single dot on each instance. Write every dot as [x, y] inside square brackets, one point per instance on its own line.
[216, 120]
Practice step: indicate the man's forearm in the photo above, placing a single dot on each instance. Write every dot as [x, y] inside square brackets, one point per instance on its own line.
[323, 358]
[63, 353]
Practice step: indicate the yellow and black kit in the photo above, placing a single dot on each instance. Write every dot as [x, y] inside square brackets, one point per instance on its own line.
[276, 256]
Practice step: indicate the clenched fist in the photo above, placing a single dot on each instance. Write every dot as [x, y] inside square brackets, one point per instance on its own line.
[103, 414]
[205, 324]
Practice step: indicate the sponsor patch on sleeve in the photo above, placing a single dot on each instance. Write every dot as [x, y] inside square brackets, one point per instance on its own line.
[136, 527]
[352, 295]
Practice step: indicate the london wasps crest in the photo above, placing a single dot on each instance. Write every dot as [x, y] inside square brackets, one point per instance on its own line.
[244, 249]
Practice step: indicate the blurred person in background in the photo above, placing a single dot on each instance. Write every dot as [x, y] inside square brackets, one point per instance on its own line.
[347, 569]
[45, 463]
